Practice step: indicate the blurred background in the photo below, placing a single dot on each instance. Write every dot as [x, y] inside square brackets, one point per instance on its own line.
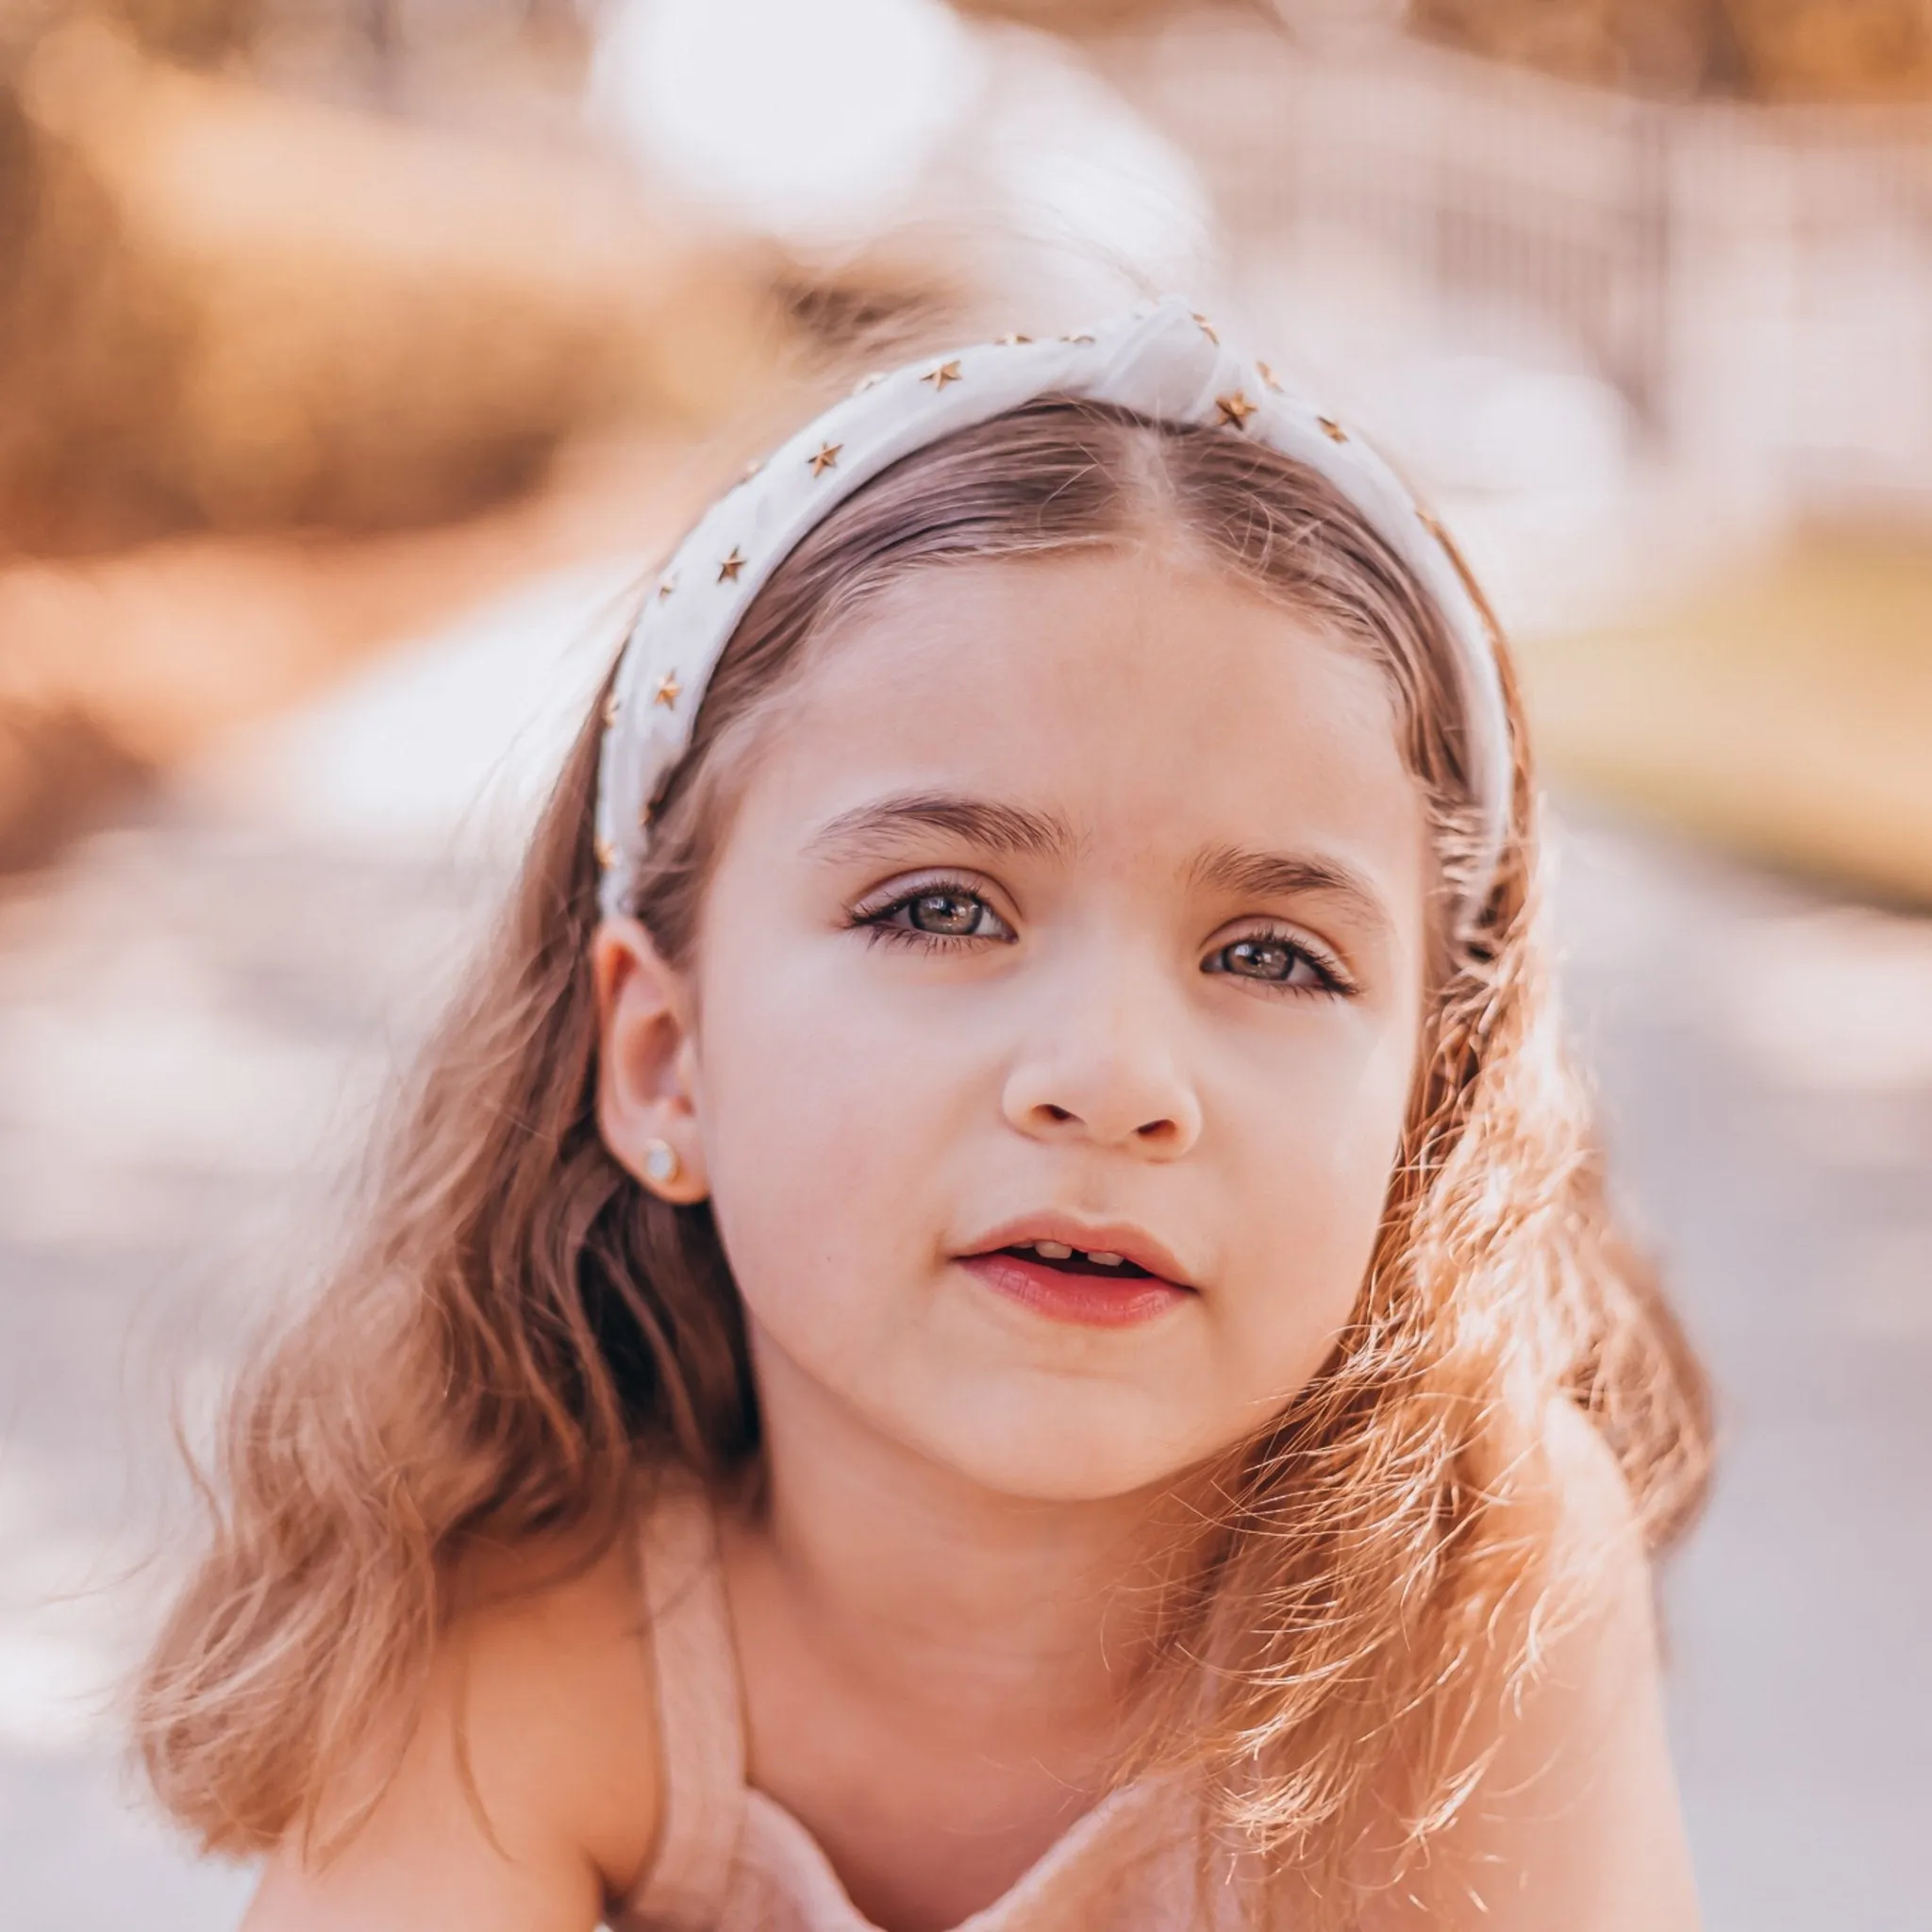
[356, 357]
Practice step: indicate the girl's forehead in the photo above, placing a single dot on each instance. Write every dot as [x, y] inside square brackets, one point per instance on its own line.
[1135, 695]
[1098, 659]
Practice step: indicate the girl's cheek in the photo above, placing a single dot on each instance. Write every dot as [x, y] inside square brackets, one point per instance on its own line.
[823, 1131]
[1308, 1189]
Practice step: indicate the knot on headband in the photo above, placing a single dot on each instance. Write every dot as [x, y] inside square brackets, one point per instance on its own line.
[1163, 361]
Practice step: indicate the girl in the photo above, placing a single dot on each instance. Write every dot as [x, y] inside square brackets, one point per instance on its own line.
[994, 1309]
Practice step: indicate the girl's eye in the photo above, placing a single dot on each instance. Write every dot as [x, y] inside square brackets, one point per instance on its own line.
[956, 915]
[940, 912]
[1276, 960]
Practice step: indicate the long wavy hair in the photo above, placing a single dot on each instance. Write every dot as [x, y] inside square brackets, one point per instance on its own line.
[522, 1336]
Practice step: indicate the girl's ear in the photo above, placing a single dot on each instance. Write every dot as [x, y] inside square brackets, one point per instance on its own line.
[646, 1063]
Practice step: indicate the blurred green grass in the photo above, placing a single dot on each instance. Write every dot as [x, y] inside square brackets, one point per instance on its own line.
[1783, 710]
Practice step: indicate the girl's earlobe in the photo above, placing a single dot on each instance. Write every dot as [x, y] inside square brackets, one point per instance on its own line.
[646, 1106]
[662, 1169]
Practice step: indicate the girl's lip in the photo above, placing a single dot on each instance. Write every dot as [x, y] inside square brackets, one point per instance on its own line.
[1130, 1243]
[1092, 1299]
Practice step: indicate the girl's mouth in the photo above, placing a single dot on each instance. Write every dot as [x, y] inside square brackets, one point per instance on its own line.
[1072, 1260]
[1096, 1286]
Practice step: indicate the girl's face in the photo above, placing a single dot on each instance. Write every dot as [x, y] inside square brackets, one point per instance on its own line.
[1072, 904]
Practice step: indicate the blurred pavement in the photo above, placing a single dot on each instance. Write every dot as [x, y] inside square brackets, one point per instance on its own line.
[197, 1011]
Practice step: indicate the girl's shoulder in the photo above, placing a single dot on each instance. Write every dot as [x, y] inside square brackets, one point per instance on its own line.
[1592, 1507]
[529, 1791]
[556, 1643]
[1574, 1820]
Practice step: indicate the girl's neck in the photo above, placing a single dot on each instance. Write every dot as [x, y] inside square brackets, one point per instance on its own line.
[950, 1603]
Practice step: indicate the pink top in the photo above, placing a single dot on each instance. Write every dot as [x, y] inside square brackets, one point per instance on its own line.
[731, 1860]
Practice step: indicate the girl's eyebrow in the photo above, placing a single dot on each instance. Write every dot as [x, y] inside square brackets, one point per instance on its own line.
[876, 828]
[869, 830]
[1235, 870]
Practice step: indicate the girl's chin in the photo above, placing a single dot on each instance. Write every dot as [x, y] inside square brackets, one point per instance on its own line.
[1053, 1439]
[1057, 1473]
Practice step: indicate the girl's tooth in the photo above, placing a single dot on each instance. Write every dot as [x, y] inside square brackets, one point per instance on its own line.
[1106, 1260]
[1052, 1250]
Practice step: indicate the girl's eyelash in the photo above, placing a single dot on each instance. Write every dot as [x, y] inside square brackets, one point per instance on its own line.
[1335, 981]
[875, 917]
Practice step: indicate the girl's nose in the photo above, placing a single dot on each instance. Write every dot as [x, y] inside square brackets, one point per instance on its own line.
[1106, 1071]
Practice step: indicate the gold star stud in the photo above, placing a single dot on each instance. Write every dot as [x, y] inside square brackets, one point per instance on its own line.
[668, 688]
[727, 571]
[1332, 429]
[945, 372]
[826, 458]
[1009, 341]
[1268, 376]
[1076, 339]
[606, 853]
[1206, 327]
[1235, 409]
[612, 708]
[670, 584]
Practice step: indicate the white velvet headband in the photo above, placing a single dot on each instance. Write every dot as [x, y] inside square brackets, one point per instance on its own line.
[1161, 360]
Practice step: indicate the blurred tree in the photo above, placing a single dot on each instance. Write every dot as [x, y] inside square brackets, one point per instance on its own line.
[88, 357]
[1835, 49]
[60, 774]
[1078, 16]
[1766, 49]
[200, 33]
[1659, 46]
[225, 309]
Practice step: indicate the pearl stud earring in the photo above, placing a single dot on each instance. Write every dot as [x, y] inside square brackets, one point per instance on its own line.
[661, 1164]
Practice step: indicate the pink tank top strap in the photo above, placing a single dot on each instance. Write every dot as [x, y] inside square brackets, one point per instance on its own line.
[700, 1719]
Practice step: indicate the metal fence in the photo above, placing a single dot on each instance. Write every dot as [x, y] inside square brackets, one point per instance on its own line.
[1756, 281]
